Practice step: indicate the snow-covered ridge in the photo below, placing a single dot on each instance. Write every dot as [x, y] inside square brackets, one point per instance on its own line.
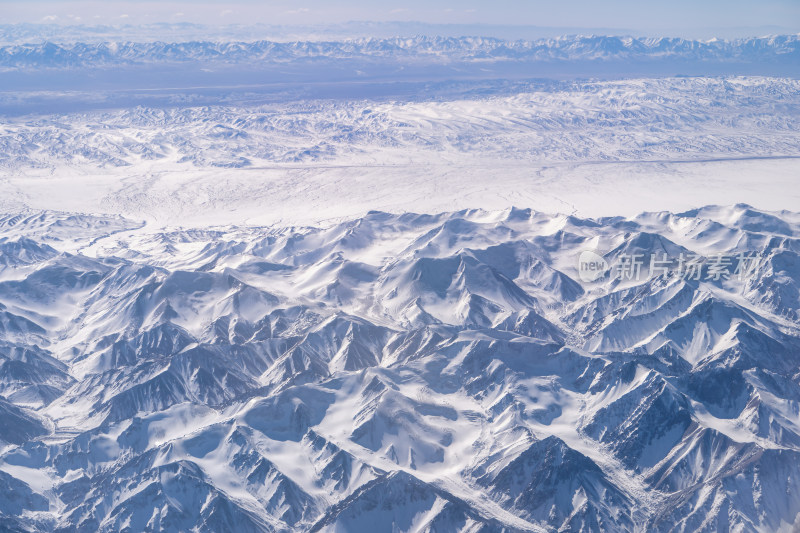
[447, 372]
[773, 49]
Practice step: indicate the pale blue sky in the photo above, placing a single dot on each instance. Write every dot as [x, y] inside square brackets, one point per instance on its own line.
[641, 15]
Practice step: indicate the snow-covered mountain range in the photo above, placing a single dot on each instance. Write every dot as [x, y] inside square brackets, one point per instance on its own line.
[26, 33]
[549, 121]
[773, 49]
[257, 280]
[442, 372]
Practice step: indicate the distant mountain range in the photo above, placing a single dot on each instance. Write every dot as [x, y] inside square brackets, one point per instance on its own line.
[184, 31]
[776, 49]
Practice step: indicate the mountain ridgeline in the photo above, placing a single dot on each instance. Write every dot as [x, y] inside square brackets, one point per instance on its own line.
[774, 49]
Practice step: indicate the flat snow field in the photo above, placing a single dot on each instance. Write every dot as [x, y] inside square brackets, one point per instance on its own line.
[173, 195]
